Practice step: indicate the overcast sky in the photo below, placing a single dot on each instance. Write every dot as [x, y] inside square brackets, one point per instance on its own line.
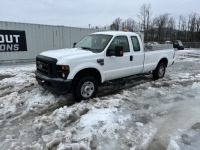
[81, 13]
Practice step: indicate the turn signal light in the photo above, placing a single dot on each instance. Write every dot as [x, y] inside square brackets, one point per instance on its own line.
[64, 68]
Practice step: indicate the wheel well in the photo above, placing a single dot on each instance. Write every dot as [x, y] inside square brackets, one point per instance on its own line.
[90, 72]
[164, 60]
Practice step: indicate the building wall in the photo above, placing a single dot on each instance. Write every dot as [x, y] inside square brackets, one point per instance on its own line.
[40, 38]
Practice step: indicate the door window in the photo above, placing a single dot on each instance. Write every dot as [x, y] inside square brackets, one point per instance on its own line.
[120, 41]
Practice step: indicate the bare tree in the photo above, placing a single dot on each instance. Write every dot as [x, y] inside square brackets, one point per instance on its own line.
[116, 24]
[144, 16]
[192, 22]
[192, 26]
[182, 23]
[129, 24]
[182, 28]
[160, 23]
[198, 24]
[171, 25]
[162, 27]
[198, 28]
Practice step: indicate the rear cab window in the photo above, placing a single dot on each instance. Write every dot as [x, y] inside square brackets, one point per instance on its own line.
[136, 44]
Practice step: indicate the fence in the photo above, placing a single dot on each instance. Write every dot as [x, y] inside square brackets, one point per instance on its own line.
[191, 44]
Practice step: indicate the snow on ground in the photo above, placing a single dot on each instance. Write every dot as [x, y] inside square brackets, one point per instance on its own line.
[154, 115]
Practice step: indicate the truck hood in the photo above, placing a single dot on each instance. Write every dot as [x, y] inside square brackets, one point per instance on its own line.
[67, 54]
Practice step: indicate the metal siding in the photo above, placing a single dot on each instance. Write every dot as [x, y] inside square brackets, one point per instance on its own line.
[67, 37]
[41, 38]
[73, 35]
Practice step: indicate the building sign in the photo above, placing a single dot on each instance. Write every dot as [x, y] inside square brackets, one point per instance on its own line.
[12, 41]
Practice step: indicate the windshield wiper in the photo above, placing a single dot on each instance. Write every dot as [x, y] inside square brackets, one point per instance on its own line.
[87, 48]
[95, 50]
[91, 49]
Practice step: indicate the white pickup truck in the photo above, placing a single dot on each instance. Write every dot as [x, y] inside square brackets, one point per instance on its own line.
[97, 58]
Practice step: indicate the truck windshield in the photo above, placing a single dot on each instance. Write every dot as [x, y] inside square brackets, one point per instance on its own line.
[95, 42]
[180, 43]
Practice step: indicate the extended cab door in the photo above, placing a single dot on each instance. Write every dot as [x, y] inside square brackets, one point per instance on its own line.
[138, 55]
[116, 67]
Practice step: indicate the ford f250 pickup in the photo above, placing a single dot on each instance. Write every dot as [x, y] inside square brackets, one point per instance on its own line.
[97, 58]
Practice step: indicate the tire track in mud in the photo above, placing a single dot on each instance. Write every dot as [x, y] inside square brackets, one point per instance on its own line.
[116, 86]
[4, 76]
[4, 88]
[109, 88]
[182, 117]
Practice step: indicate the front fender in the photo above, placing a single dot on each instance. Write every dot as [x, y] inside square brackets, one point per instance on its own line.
[80, 67]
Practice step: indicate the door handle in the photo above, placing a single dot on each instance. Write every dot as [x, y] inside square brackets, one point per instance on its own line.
[131, 58]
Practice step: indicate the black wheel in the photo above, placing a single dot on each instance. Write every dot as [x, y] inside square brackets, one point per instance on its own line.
[85, 88]
[159, 72]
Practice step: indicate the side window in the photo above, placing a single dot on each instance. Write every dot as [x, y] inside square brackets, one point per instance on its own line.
[135, 42]
[120, 41]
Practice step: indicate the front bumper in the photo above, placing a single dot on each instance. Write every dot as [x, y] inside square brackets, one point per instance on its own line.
[54, 85]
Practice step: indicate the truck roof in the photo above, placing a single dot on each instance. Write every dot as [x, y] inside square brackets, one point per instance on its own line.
[115, 33]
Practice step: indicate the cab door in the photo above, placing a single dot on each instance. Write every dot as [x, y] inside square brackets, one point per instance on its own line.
[117, 67]
[138, 55]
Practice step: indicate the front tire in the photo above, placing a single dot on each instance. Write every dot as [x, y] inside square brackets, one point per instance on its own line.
[159, 72]
[85, 88]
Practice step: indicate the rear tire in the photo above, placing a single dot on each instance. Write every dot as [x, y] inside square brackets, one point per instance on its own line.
[159, 72]
[85, 88]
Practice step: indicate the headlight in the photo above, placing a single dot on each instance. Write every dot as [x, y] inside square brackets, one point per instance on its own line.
[62, 71]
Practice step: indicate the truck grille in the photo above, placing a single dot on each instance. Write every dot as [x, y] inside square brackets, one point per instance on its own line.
[46, 66]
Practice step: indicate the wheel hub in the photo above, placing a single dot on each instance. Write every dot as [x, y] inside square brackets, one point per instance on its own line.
[161, 71]
[87, 89]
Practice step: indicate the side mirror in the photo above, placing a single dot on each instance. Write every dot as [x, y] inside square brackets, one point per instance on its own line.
[119, 51]
[74, 45]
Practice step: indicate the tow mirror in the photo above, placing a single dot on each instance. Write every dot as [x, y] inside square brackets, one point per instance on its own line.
[119, 51]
